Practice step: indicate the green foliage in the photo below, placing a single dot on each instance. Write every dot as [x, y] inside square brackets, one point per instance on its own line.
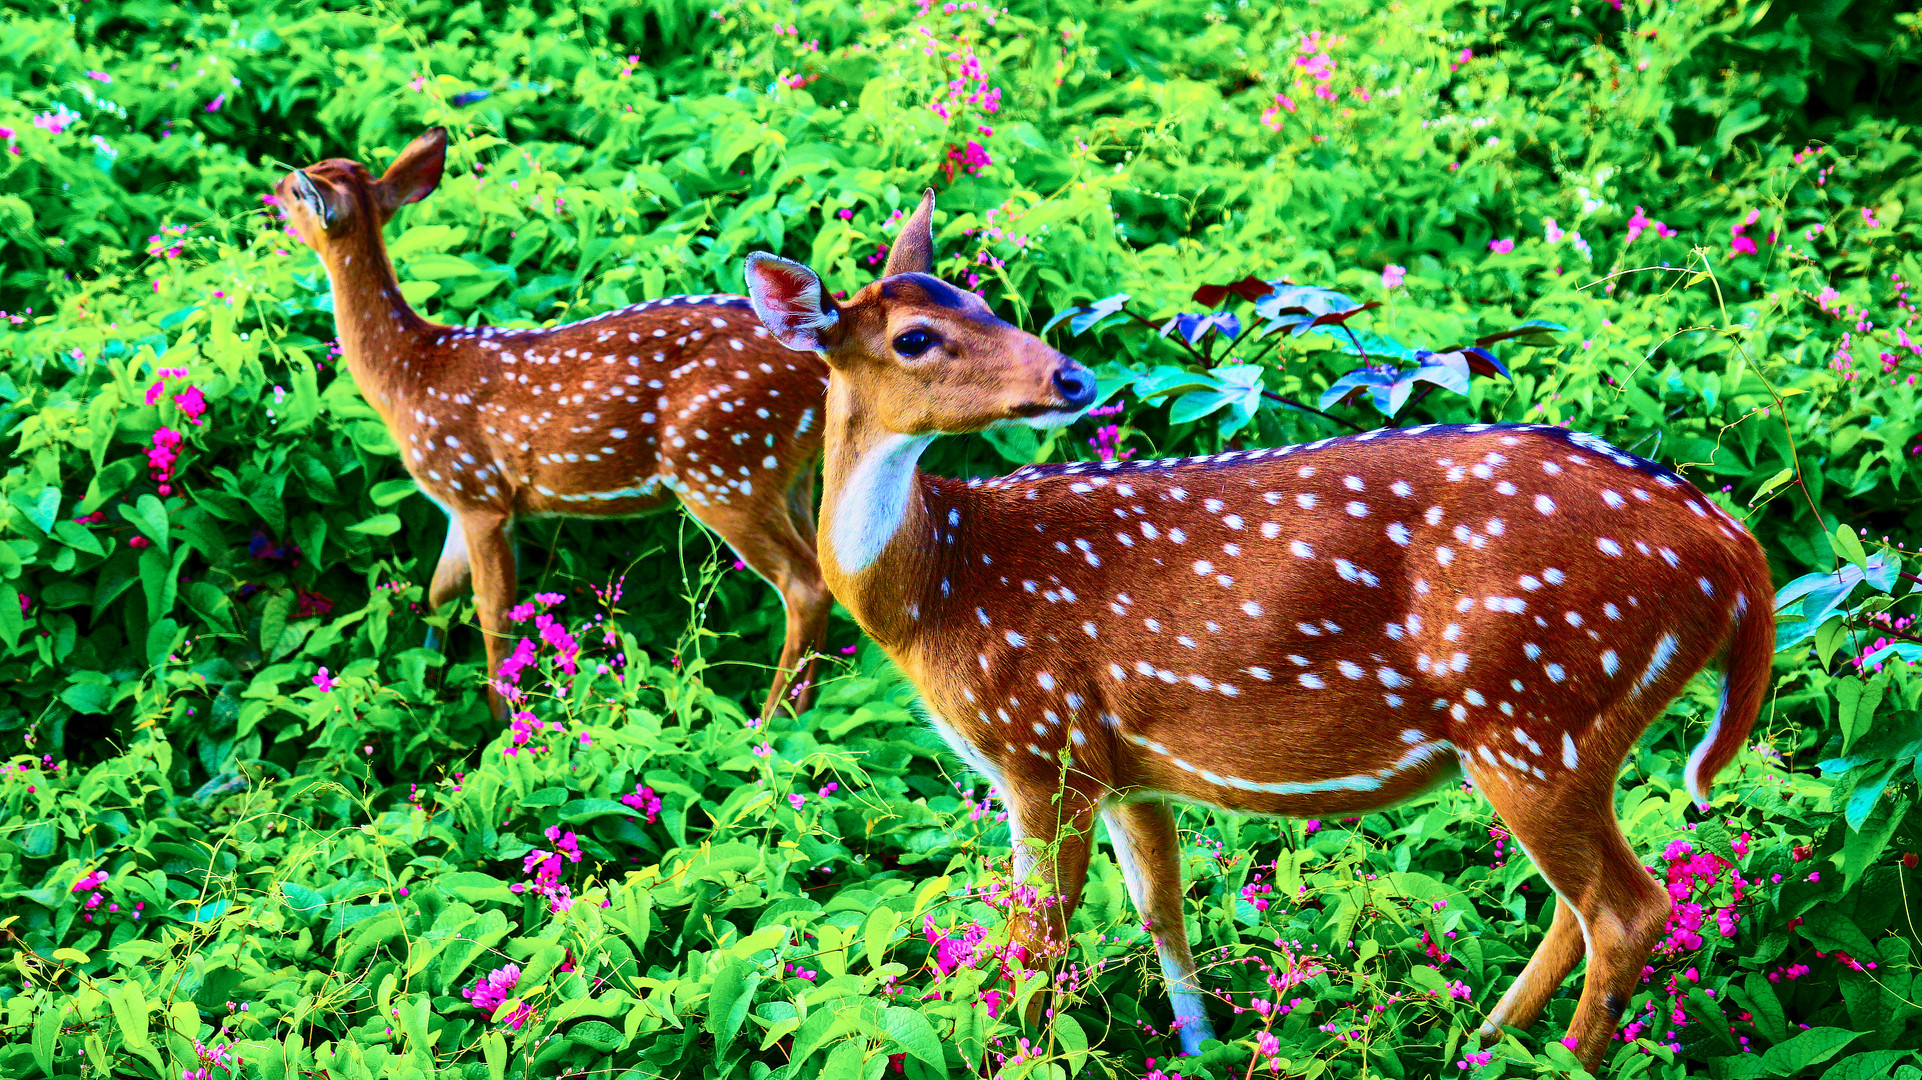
[251, 825]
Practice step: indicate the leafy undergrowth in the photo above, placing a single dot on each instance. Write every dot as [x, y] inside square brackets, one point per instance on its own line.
[252, 828]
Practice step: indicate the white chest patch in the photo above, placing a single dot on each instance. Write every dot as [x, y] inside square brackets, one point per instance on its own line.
[873, 500]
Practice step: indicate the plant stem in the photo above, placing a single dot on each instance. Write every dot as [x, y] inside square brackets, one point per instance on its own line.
[1272, 396]
[1199, 359]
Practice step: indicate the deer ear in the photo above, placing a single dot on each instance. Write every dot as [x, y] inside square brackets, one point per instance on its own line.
[312, 199]
[416, 172]
[791, 304]
[913, 250]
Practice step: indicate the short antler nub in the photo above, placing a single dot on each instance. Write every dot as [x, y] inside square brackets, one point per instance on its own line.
[913, 251]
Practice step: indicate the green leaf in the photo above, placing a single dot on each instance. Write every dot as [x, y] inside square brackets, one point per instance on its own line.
[39, 838]
[378, 525]
[46, 1031]
[1766, 1006]
[494, 1049]
[1772, 483]
[434, 266]
[1074, 1042]
[878, 933]
[911, 1031]
[1872, 823]
[149, 515]
[1848, 547]
[78, 537]
[90, 698]
[475, 887]
[598, 1034]
[389, 492]
[42, 509]
[131, 1014]
[1811, 1047]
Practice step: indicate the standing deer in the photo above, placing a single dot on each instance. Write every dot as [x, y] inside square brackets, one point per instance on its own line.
[683, 397]
[1316, 630]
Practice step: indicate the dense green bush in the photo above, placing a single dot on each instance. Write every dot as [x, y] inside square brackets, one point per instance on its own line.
[251, 826]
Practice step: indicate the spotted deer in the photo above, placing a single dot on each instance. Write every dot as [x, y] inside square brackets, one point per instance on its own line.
[1317, 630]
[684, 397]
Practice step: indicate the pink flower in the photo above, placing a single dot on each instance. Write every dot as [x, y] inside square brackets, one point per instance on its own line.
[491, 990]
[219, 100]
[951, 953]
[325, 682]
[1501, 247]
[1636, 225]
[846, 213]
[1868, 218]
[644, 800]
[100, 76]
[1552, 232]
[1392, 276]
[191, 403]
[1739, 244]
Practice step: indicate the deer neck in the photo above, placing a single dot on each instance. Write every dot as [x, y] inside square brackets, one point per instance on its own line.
[878, 549]
[380, 334]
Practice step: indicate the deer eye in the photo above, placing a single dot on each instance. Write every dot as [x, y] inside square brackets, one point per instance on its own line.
[913, 343]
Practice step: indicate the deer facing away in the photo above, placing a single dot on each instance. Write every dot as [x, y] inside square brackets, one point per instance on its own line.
[1316, 630]
[682, 397]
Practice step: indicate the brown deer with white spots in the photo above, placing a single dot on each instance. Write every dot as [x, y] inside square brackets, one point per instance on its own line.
[685, 397]
[1316, 630]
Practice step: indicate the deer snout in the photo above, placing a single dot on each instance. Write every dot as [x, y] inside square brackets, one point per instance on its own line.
[1075, 384]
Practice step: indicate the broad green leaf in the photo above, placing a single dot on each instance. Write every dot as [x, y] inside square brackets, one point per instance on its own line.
[389, 492]
[1848, 546]
[1811, 1047]
[148, 515]
[378, 525]
[913, 1033]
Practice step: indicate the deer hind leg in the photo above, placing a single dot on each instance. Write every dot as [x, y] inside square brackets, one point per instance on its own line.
[491, 554]
[453, 576]
[1522, 1005]
[810, 627]
[1053, 829]
[1149, 851]
[1567, 827]
[768, 540]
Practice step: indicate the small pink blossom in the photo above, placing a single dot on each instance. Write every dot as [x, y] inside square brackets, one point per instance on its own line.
[1501, 247]
[219, 100]
[1392, 276]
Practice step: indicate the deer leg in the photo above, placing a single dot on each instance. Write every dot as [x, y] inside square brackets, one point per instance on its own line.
[453, 576]
[1149, 851]
[1570, 832]
[1052, 837]
[814, 604]
[1522, 1005]
[492, 557]
[773, 547]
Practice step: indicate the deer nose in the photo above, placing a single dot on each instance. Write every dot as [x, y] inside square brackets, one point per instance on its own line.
[1075, 384]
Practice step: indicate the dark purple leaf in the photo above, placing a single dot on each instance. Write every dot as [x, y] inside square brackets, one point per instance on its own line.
[1250, 288]
[1537, 332]
[1483, 363]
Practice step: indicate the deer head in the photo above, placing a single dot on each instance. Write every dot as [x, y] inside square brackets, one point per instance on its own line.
[932, 359]
[337, 200]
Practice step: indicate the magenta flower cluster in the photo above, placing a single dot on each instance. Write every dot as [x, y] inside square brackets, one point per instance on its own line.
[546, 866]
[493, 989]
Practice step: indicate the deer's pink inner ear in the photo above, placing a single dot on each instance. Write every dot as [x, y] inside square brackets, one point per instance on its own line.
[787, 297]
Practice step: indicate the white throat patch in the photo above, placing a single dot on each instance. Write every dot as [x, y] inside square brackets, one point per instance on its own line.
[873, 500]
